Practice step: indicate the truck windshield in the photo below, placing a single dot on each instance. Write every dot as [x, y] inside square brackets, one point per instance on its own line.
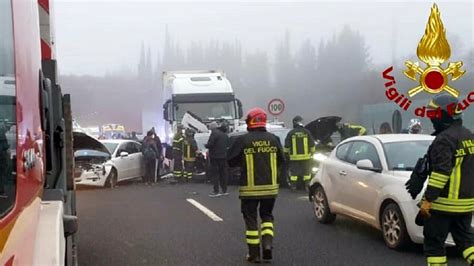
[7, 110]
[206, 111]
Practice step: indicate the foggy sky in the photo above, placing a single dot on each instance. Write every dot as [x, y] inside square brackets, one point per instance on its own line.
[94, 37]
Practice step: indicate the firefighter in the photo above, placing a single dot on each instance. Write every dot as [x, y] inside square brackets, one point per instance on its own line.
[299, 148]
[259, 154]
[189, 158]
[448, 201]
[178, 142]
[348, 130]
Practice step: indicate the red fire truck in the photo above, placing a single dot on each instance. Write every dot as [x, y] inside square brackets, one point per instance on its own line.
[37, 198]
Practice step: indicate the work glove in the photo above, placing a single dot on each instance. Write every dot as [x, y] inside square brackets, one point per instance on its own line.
[425, 208]
[423, 213]
[414, 186]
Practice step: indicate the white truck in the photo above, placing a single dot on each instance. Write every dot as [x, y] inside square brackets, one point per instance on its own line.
[206, 95]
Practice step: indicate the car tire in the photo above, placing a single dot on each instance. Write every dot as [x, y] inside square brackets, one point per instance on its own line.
[111, 181]
[394, 231]
[321, 207]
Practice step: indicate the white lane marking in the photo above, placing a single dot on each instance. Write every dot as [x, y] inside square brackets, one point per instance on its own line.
[205, 210]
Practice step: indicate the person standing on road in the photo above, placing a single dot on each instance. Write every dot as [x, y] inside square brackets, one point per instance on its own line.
[448, 201]
[150, 152]
[190, 149]
[178, 142]
[299, 147]
[159, 155]
[259, 155]
[217, 145]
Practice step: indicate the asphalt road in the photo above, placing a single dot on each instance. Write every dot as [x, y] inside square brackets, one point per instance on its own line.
[139, 225]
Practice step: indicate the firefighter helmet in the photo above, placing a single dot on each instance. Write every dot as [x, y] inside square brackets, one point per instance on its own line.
[256, 118]
[449, 109]
[415, 126]
[298, 121]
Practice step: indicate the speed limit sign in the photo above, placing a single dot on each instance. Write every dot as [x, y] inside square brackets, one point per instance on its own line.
[276, 107]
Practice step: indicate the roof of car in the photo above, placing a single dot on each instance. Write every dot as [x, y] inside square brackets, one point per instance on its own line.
[388, 138]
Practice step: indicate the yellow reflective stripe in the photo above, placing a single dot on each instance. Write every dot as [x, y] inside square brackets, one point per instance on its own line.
[273, 162]
[286, 150]
[362, 131]
[259, 187]
[250, 171]
[300, 157]
[305, 145]
[452, 209]
[456, 202]
[455, 181]
[293, 143]
[306, 177]
[259, 193]
[435, 183]
[440, 176]
[267, 232]
[267, 225]
[188, 151]
[251, 233]
[253, 241]
[467, 253]
[442, 259]
[293, 178]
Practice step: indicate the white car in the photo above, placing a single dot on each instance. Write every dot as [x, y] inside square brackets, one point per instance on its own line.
[124, 162]
[364, 178]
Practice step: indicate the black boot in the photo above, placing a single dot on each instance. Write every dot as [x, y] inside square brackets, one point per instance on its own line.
[267, 246]
[254, 254]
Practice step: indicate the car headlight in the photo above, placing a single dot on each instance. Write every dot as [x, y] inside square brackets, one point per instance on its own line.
[319, 157]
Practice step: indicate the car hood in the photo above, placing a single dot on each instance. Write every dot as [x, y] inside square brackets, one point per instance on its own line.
[82, 141]
[322, 128]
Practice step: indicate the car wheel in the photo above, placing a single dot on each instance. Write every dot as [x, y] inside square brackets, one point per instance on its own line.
[321, 207]
[111, 181]
[393, 227]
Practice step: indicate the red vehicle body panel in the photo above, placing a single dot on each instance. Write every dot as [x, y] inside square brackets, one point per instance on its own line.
[18, 228]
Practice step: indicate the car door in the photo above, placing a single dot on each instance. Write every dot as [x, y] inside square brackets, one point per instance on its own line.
[335, 169]
[136, 160]
[363, 185]
[122, 163]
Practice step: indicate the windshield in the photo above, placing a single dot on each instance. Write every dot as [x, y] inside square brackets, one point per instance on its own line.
[404, 155]
[110, 146]
[206, 111]
[7, 111]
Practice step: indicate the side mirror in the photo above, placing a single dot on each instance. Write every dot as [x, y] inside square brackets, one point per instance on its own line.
[123, 154]
[367, 165]
[240, 111]
[166, 114]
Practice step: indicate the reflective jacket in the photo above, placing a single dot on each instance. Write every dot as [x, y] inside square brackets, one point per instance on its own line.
[178, 142]
[350, 130]
[190, 148]
[451, 183]
[299, 144]
[259, 155]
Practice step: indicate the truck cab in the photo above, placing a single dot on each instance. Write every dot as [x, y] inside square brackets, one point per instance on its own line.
[207, 95]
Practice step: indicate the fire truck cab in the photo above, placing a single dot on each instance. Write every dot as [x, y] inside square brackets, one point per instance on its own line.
[37, 197]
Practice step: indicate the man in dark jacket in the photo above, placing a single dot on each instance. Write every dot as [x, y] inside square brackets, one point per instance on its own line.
[150, 152]
[217, 145]
[259, 154]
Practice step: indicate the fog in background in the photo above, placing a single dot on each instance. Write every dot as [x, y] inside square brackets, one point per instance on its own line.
[321, 58]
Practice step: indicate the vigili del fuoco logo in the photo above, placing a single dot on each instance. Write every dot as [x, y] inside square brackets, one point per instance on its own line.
[434, 51]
